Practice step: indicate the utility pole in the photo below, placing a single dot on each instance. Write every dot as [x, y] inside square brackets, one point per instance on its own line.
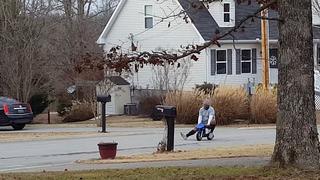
[264, 48]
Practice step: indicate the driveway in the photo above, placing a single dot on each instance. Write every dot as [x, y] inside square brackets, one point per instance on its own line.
[53, 153]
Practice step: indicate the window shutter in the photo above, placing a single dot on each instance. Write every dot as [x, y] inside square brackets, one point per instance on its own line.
[254, 61]
[229, 61]
[213, 62]
[238, 62]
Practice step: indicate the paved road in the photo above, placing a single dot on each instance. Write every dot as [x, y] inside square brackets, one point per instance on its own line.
[61, 153]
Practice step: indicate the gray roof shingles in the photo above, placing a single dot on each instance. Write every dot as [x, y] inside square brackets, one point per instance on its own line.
[118, 80]
[200, 17]
[207, 26]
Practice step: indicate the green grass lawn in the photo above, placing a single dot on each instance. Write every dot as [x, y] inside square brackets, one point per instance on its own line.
[170, 173]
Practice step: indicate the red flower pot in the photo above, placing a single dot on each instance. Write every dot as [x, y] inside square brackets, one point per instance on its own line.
[107, 150]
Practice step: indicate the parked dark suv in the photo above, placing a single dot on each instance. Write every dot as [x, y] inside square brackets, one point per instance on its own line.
[14, 113]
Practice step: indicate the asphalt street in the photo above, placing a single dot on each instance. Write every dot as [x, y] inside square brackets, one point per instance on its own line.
[57, 154]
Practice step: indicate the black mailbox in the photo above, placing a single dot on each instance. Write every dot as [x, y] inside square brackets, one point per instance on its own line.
[166, 111]
[170, 113]
[103, 98]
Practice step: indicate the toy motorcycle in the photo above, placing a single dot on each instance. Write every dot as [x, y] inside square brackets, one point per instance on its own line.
[201, 132]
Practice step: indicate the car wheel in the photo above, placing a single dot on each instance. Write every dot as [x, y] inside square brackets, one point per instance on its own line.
[18, 126]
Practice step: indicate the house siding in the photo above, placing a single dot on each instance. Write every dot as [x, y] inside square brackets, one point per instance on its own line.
[216, 10]
[315, 12]
[234, 78]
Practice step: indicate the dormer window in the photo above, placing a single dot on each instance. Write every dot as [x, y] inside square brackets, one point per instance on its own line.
[226, 12]
[148, 19]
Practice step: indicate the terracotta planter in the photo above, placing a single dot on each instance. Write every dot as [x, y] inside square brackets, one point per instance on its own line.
[107, 150]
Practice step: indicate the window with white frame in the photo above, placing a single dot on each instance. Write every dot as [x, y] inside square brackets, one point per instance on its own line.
[246, 60]
[221, 61]
[226, 12]
[148, 19]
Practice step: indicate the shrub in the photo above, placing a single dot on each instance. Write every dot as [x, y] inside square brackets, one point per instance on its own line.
[206, 87]
[79, 112]
[39, 102]
[230, 103]
[64, 105]
[263, 107]
[187, 104]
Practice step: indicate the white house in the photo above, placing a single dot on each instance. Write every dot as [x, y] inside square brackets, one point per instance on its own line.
[238, 60]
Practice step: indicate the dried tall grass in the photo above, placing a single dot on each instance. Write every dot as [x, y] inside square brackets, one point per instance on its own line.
[230, 103]
[187, 104]
[263, 107]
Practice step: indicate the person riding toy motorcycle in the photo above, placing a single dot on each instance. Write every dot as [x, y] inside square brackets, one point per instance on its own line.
[206, 117]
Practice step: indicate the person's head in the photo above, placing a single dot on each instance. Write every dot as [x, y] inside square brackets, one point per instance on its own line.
[206, 104]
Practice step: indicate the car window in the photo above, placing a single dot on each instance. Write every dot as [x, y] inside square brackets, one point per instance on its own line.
[7, 100]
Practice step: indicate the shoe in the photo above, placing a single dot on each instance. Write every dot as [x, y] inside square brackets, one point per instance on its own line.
[183, 136]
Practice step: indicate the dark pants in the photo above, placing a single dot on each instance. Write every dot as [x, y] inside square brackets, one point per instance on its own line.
[193, 131]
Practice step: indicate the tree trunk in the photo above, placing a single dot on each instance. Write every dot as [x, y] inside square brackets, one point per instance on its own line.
[297, 142]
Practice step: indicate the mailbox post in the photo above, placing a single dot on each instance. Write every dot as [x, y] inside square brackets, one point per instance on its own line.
[103, 100]
[169, 113]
